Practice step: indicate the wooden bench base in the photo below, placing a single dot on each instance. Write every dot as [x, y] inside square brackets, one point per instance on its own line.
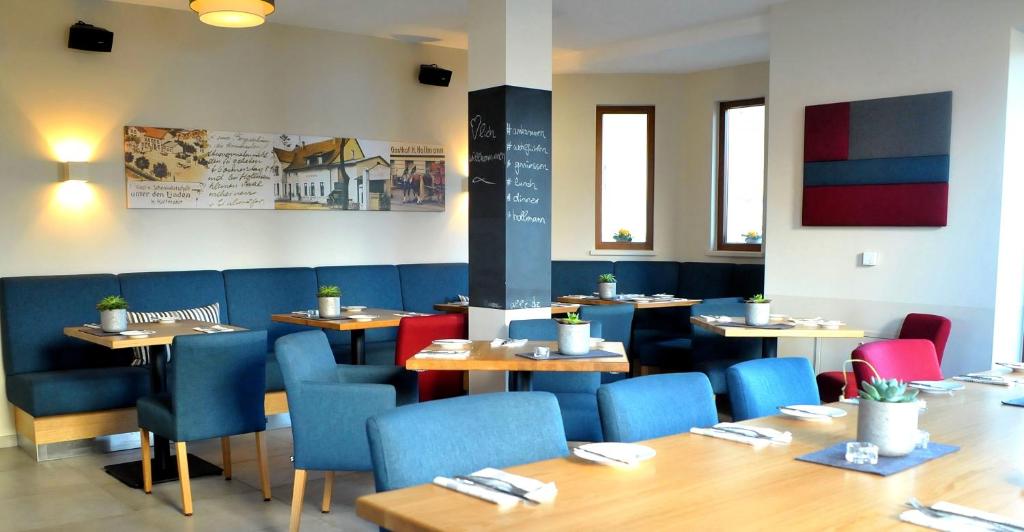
[62, 428]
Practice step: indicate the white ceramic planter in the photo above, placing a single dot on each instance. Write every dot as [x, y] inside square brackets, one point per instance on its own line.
[890, 426]
[574, 339]
[330, 307]
[606, 290]
[758, 313]
[114, 320]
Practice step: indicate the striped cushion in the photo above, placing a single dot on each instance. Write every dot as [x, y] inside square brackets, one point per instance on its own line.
[209, 313]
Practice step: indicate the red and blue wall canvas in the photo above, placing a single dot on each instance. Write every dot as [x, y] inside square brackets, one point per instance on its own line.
[882, 162]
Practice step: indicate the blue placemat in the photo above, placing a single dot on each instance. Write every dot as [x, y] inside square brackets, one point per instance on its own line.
[1014, 402]
[835, 456]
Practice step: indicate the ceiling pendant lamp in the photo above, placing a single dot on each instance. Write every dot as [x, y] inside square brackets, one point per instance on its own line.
[232, 13]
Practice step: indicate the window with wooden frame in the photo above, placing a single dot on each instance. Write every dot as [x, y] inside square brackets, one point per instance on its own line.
[739, 190]
[625, 178]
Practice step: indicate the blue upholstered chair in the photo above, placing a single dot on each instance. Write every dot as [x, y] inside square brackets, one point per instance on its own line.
[329, 404]
[457, 436]
[758, 387]
[616, 326]
[648, 407]
[712, 354]
[216, 384]
[575, 390]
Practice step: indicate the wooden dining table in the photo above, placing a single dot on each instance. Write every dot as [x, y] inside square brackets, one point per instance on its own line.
[382, 318]
[639, 305]
[770, 336]
[483, 357]
[701, 483]
[163, 334]
[462, 308]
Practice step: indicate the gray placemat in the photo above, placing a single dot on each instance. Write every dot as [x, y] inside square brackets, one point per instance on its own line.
[769, 326]
[1014, 402]
[555, 355]
[835, 456]
[98, 332]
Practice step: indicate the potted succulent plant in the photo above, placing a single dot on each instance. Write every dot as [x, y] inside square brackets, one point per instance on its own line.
[328, 298]
[887, 416]
[623, 235]
[113, 314]
[758, 310]
[606, 286]
[573, 335]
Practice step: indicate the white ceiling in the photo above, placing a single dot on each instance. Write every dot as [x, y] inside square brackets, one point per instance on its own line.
[608, 36]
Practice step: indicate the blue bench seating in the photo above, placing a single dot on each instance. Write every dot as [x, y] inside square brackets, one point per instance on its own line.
[64, 389]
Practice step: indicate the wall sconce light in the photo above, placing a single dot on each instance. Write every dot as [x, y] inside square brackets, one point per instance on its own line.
[74, 171]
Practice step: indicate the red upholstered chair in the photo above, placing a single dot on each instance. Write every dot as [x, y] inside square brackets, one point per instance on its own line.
[415, 334]
[927, 327]
[906, 360]
[915, 326]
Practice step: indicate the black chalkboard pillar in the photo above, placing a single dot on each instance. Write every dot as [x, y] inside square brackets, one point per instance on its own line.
[510, 198]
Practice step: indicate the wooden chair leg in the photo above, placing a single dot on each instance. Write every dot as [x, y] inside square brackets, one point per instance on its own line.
[298, 495]
[261, 458]
[225, 451]
[147, 463]
[183, 478]
[325, 506]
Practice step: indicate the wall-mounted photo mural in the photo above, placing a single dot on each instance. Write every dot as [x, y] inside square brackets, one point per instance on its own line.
[171, 168]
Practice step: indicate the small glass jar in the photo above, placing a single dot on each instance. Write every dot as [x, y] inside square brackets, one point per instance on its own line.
[541, 352]
[860, 452]
[923, 439]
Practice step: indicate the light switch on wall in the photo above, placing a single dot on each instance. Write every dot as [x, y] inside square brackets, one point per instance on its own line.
[869, 258]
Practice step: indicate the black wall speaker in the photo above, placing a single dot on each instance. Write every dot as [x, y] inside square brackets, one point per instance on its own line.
[87, 37]
[435, 75]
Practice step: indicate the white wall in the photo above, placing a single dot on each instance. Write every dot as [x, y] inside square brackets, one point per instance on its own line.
[685, 110]
[833, 50]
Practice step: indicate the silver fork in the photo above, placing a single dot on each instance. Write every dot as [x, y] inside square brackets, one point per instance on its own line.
[941, 514]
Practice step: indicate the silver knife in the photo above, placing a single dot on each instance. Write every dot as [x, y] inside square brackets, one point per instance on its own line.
[607, 457]
[495, 485]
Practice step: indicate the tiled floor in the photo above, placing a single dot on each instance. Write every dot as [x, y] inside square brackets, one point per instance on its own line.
[76, 494]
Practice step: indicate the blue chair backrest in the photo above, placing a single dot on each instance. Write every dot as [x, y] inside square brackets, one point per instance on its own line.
[556, 381]
[543, 329]
[253, 295]
[648, 407]
[425, 285]
[217, 383]
[577, 276]
[328, 415]
[415, 443]
[710, 346]
[616, 321]
[758, 387]
[34, 312]
[164, 291]
[305, 357]
[370, 286]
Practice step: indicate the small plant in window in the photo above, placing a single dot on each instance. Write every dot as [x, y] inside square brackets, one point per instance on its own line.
[623, 235]
[751, 237]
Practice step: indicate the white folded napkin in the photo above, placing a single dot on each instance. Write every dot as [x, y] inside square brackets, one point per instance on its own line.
[956, 523]
[504, 501]
[536, 491]
[737, 433]
[716, 319]
[444, 355]
[502, 342]
[212, 329]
